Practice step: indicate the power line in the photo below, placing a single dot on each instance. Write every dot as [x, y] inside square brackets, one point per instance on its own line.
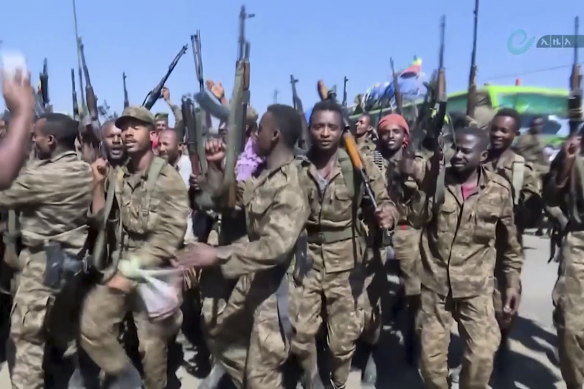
[529, 72]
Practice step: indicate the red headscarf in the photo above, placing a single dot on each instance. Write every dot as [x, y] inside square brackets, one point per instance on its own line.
[399, 120]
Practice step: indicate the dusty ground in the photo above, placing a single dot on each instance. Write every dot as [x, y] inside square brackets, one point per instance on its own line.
[532, 344]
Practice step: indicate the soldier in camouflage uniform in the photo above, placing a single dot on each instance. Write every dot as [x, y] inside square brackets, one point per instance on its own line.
[150, 217]
[276, 210]
[112, 144]
[525, 186]
[51, 213]
[333, 281]
[564, 188]
[458, 261]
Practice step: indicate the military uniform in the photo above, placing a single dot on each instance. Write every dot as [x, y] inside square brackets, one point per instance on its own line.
[526, 203]
[276, 210]
[336, 246]
[568, 293]
[53, 196]
[458, 260]
[151, 224]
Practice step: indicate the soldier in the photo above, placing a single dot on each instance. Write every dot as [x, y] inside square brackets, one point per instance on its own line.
[170, 148]
[333, 280]
[564, 189]
[54, 214]
[458, 261]
[112, 143]
[161, 119]
[276, 210]
[362, 135]
[150, 220]
[19, 99]
[530, 146]
[527, 204]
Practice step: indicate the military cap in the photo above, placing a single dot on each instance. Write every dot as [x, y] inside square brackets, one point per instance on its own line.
[135, 112]
[161, 116]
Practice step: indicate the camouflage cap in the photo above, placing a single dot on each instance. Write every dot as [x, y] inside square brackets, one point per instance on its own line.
[161, 116]
[136, 112]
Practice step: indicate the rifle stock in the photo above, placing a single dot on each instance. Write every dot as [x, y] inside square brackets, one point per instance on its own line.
[155, 93]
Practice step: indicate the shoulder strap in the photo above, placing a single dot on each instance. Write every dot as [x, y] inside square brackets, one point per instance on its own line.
[153, 173]
[348, 172]
[517, 178]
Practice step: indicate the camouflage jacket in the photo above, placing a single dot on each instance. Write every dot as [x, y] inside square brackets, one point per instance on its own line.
[458, 242]
[558, 194]
[528, 206]
[153, 224]
[333, 234]
[52, 196]
[276, 210]
[530, 147]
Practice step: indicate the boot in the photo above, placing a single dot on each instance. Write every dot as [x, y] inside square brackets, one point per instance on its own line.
[214, 377]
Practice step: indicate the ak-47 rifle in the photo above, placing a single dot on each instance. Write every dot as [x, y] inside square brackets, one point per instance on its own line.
[126, 100]
[196, 130]
[575, 100]
[44, 80]
[345, 91]
[397, 92]
[90, 97]
[74, 96]
[236, 124]
[297, 103]
[437, 121]
[472, 86]
[155, 93]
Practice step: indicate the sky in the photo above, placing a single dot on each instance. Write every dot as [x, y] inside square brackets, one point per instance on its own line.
[311, 39]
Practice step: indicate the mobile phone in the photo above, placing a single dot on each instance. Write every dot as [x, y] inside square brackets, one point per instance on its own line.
[11, 62]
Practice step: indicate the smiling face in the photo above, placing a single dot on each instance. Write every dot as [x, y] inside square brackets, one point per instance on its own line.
[502, 132]
[392, 136]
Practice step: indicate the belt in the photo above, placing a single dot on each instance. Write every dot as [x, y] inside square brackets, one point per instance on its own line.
[330, 236]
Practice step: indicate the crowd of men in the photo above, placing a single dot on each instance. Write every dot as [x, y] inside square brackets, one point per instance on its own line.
[296, 263]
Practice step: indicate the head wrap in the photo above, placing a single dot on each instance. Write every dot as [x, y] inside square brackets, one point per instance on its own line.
[398, 120]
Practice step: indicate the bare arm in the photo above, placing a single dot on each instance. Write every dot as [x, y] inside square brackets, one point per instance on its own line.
[15, 145]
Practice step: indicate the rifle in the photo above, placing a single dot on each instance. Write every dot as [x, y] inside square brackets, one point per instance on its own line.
[155, 93]
[345, 91]
[198, 55]
[236, 124]
[575, 99]
[438, 121]
[90, 97]
[472, 86]
[44, 79]
[74, 96]
[126, 100]
[396, 91]
[197, 129]
[297, 103]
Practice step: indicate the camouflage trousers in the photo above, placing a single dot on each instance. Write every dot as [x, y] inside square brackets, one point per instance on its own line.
[243, 334]
[104, 310]
[335, 294]
[478, 330]
[28, 331]
[568, 297]
[375, 287]
[406, 245]
[505, 323]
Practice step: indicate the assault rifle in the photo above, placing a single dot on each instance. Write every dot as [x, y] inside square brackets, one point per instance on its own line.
[126, 100]
[345, 91]
[303, 143]
[472, 86]
[90, 97]
[575, 99]
[155, 93]
[44, 92]
[396, 91]
[74, 96]
[197, 128]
